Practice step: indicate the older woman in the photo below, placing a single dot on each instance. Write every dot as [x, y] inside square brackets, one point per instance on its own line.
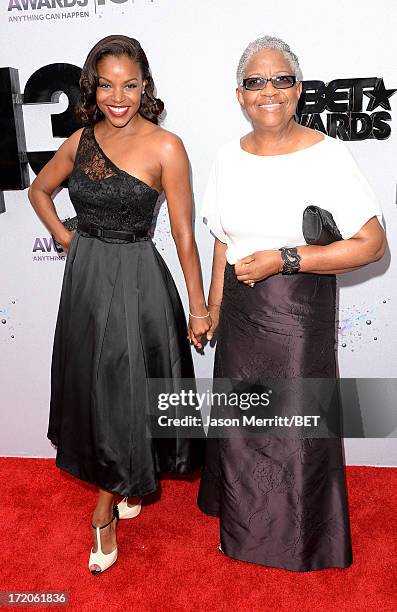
[281, 501]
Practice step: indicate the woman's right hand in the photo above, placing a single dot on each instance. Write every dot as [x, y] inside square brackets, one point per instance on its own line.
[65, 242]
[213, 309]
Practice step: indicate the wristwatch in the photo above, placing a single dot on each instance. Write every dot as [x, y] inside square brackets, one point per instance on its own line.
[291, 260]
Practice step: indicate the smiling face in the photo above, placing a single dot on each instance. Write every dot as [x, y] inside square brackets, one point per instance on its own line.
[119, 90]
[269, 107]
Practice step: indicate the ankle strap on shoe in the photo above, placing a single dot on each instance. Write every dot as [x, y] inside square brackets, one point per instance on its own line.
[115, 516]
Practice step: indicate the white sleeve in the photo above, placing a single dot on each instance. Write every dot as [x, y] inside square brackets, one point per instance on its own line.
[210, 207]
[353, 199]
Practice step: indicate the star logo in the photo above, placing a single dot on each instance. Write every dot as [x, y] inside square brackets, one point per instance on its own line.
[379, 96]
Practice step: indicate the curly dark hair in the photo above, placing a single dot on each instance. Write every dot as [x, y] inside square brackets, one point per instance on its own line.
[86, 109]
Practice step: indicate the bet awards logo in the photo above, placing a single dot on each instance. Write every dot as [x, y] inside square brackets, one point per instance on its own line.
[45, 249]
[344, 100]
[37, 5]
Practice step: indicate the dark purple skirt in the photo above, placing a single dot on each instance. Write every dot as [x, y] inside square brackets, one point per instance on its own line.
[281, 501]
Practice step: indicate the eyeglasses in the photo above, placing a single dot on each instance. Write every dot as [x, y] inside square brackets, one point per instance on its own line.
[279, 82]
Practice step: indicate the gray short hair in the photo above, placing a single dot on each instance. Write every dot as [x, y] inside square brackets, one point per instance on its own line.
[268, 42]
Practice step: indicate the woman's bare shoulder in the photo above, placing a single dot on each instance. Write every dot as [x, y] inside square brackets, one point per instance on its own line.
[167, 139]
[70, 145]
[168, 145]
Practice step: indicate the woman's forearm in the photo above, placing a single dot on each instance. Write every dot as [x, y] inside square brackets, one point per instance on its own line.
[218, 271]
[190, 263]
[341, 256]
[45, 210]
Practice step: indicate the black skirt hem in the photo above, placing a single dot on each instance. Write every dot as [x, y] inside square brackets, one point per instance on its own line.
[115, 491]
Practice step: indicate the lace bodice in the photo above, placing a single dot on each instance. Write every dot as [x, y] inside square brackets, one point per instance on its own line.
[104, 195]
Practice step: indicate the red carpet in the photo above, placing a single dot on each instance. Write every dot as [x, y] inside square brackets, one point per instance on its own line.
[168, 559]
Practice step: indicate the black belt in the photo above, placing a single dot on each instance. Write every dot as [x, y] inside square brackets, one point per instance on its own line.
[99, 232]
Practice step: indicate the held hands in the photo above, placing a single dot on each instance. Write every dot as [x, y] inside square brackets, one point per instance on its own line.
[198, 327]
[258, 266]
[203, 327]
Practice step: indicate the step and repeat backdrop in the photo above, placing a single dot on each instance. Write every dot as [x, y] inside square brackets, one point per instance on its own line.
[346, 51]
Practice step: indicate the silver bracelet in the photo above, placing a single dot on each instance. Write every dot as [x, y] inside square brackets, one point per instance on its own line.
[197, 317]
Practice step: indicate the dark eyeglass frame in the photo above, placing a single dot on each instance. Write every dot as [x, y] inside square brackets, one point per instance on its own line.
[264, 81]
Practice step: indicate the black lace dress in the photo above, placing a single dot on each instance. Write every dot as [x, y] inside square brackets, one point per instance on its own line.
[120, 323]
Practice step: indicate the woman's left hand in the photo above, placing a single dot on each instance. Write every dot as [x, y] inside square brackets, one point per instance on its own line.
[258, 266]
[198, 328]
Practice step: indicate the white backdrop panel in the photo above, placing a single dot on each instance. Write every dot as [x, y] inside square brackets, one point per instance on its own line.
[193, 49]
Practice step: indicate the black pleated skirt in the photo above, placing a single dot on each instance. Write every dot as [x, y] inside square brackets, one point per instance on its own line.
[120, 323]
[281, 501]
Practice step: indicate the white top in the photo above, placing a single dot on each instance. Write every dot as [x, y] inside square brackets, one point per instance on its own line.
[254, 203]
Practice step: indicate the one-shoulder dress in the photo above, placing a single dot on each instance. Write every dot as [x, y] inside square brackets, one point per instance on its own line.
[120, 323]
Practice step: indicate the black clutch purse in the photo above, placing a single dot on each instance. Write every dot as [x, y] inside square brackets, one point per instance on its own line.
[319, 227]
[71, 224]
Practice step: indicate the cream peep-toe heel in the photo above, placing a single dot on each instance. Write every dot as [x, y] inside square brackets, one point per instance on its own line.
[126, 511]
[104, 561]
